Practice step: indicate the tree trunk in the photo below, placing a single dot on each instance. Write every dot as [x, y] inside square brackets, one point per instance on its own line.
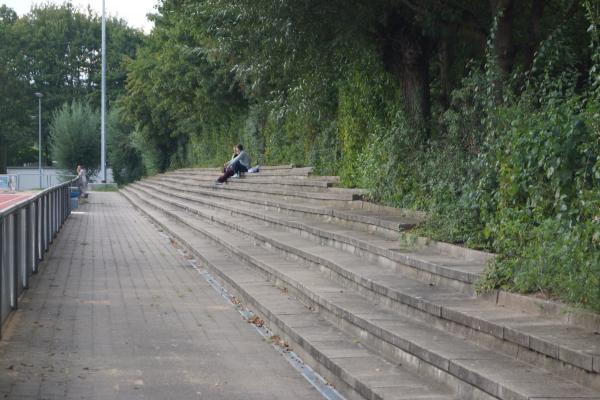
[445, 60]
[534, 32]
[415, 83]
[406, 55]
[503, 39]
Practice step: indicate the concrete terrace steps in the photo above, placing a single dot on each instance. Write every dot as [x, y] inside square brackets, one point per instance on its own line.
[265, 168]
[251, 182]
[423, 263]
[536, 338]
[339, 356]
[446, 357]
[373, 220]
[264, 171]
[350, 198]
[298, 182]
[317, 195]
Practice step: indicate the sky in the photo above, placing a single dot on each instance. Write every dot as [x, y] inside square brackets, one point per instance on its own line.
[133, 11]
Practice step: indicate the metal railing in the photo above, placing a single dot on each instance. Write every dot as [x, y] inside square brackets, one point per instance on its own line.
[26, 181]
[27, 229]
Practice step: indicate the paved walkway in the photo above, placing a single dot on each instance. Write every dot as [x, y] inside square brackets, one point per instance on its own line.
[116, 313]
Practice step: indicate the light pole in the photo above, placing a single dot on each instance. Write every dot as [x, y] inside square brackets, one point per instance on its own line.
[39, 96]
[103, 101]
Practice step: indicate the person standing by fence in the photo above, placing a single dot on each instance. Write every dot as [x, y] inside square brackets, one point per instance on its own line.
[82, 182]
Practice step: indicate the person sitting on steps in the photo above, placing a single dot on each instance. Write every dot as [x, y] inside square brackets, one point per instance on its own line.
[240, 163]
[234, 155]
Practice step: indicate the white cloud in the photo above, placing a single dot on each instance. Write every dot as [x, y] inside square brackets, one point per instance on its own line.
[133, 11]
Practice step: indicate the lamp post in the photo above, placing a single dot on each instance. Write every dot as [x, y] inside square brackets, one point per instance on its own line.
[39, 96]
[103, 101]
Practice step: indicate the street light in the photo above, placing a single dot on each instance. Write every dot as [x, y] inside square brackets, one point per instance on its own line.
[39, 96]
[103, 101]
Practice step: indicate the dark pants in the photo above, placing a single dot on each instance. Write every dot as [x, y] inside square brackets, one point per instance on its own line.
[231, 170]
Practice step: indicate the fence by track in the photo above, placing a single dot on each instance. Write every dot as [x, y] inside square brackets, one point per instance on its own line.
[27, 229]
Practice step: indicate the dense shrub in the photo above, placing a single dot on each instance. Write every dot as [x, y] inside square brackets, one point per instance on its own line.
[75, 137]
[507, 159]
[540, 201]
[123, 156]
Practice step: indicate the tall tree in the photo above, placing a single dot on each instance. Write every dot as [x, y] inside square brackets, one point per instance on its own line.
[74, 136]
[13, 93]
[54, 50]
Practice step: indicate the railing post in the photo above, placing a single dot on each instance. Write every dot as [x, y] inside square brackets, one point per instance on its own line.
[38, 229]
[46, 221]
[61, 193]
[52, 214]
[23, 241]
[12, 273]
[66, 200]
[44, 225]
[51, 199]
[30, 248]
[17, 256]
[50, 217]
[56, 210]
[2, 294]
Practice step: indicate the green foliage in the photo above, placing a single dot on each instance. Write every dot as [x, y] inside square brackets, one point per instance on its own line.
[123, 156]
[592, 9]
[15, 125]
[364, 100]
[54, 50]
[507, 162]
[554, 258]
[74, 137]
[540, 193]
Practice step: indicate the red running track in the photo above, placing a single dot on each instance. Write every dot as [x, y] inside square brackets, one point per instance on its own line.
[8, 199]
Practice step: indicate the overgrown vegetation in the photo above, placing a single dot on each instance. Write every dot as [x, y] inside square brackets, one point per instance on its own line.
[74, 137]
[484, 114]
[124, 155]
[54, 50]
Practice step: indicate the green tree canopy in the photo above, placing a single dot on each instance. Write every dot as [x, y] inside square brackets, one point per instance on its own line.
[484, 114]
[123, 155]
[54, 50]
[74, 136]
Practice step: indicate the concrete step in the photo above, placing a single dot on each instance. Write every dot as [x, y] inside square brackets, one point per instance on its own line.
[295, 182]
[315, 196]
[447, 252]
[537, 337]
[453, 357]
[384, 221]
[257, 184]
[264, 167]
[530, 336]
[355, 369]
[416, 261]
[264, 171]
